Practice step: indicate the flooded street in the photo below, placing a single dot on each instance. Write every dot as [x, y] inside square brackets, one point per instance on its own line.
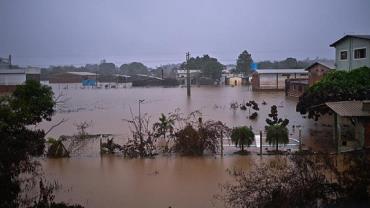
[112, 181]
[106, 108]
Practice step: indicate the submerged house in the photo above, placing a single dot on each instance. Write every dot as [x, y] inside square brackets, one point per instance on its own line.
[351, 52]
[295, 87]
[275, 79]
[73, 77]
[10, 78]
[181, 76]
[351, 124]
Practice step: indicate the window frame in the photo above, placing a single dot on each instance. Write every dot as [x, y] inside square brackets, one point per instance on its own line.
[359, 49]
[340, 55]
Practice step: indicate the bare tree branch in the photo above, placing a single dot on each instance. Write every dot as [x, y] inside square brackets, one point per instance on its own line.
[55, 125]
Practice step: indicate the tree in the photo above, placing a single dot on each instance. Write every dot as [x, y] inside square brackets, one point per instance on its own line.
[243, 64]
[209, 67]
[162, 127]
[192, 141]
[241, 136]
[107, 68]
[134, 68]
[335, 86]
[274, 118]
[30, 104]
[277, 132]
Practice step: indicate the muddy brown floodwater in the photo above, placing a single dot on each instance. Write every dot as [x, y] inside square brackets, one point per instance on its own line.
[112, 181]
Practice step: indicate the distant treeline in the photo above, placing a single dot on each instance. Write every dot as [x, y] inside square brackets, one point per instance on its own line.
[289, 63]
[106, 70]
[210, 67]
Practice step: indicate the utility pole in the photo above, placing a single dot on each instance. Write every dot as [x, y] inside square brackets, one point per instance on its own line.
[188, 74]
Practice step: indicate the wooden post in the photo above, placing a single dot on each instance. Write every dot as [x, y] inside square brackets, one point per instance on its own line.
[261, 143]
[100, 145]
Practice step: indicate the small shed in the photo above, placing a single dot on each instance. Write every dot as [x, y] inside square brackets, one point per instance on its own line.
[274, 79]
[351, 124]
[317, 70]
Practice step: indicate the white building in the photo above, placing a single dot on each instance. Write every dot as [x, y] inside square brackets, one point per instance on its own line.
[181, 76]
[10, 78]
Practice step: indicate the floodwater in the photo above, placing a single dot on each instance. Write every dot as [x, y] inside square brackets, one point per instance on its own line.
[112, 181]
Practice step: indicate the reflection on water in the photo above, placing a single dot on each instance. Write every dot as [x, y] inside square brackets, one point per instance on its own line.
[165, 181]
[112, 181]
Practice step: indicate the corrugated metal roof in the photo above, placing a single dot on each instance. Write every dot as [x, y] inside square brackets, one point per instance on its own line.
[349, 108]
[281, 71]
[83, 73]
[367, 37]
[20, 71]
[329, 64]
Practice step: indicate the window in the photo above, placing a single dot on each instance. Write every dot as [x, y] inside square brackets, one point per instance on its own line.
[343, 55]
[360, 53]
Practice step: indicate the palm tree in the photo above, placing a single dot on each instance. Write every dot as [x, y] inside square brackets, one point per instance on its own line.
[277, 134]
[162, 127]
[241, 136]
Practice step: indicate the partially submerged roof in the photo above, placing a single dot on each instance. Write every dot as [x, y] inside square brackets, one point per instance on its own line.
[12, 71]
[366, 37]
[20, 71]
[328, 64]
[83, 73]
[349, 108]
[149, 76]
[281, 71]
[122, 75]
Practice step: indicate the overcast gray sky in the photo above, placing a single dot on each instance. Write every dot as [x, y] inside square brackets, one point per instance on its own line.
[42, 32]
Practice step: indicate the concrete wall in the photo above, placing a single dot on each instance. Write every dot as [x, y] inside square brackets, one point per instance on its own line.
[235, 81]
[12, 79]
[350, 44]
